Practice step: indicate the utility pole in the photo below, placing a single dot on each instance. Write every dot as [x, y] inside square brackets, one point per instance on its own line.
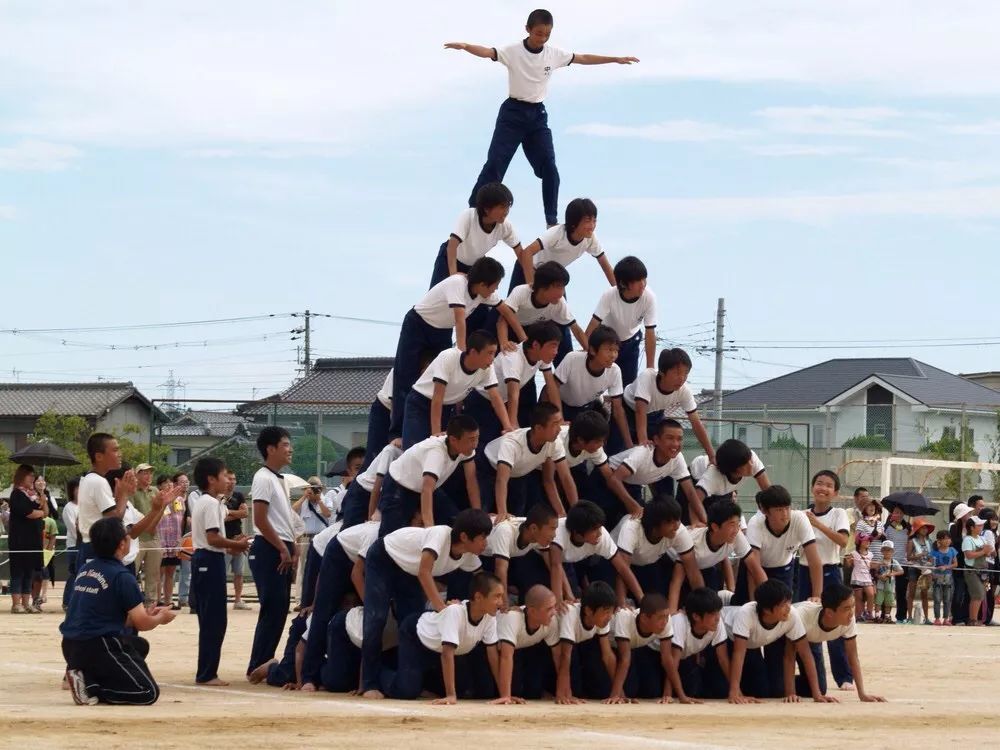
[305, 331]
[307, 367]
[720, 323]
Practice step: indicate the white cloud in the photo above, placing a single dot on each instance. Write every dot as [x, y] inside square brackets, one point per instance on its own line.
[7, 212]
[854, 122]
[802, 149]
[669, 130]
[955, 203]
[989, 127]
[37, 156]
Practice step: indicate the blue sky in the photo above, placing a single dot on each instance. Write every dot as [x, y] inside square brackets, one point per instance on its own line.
[831, 169]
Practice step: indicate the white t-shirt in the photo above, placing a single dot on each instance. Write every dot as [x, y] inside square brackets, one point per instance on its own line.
[406, 546]
[313, 519]
[829, 553]
[743, 622]
[625, 626]
[519, 300]
[571, 627]
[453, 626]
[630, 538]
[354, 540]
[70, 512]
[429, 456]
[572, 553]
[776, 551]
[449, 369]
[475, 242]
[706, 557]
[698, 466]
[528, 71]
[672, 403]
[645, 470]
[687, 642]
[269, 487]
[435, 306]
[354, 624]
[626, 318]
[597, 458]
[322, 540]
[556, 245]
[809, 613]
[514, 450]
[93, 498]
[131, 517]
[514, 367]
[379, 467]
[385, 392]
[714, 483]
[512, 628]
[578, 386]
[208, 513]
[502, 541]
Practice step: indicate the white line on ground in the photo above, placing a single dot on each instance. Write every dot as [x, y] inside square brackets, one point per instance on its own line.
[631, 740]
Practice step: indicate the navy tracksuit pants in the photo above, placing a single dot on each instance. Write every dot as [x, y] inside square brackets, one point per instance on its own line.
[274, 591]
[838, 654]
[417, 339]
[208, 580]
[334, 581]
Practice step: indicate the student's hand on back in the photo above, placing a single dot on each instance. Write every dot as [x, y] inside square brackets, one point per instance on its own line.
[510, 347]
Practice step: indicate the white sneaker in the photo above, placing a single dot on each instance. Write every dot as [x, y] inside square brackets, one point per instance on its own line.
[78, 687]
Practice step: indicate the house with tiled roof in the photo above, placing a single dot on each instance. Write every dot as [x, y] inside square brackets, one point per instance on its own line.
[105, 406]
[194, 431]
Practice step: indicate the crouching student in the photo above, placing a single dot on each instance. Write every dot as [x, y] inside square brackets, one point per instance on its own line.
[402, 568]
[826, 621]
[529, 639]
[361, 498]
[287, 672]
[699, 644]
[637, 673]
[431, 643]
[544, 300]
[759, 666]
[104, 666]
[734, 462]
[379, 418]
[341, 671]
[583, 442]
[585, 663]
[208, 566]
[511, 540]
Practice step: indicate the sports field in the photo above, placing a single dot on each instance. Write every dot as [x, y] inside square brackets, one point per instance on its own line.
[940, 683]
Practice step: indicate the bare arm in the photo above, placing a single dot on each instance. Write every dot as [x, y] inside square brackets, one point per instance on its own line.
[569, 487]
[641, 417]
[451, 251]
[505, 673]
[650, 339]
[427, 500]
[266, 530]
[448, 674]
[507, 314]
[616, 483]
[618, 414]
[437, 405]
[691, 570]
[578, 334]
[358, 578]
[815, 571]
[851, 646]
[459, 313]
[503, 334]
[477, 50]
[584, 59]
[471, 484]
[695, 505]
[141, 619]
[375, 496]
[623, 662]
[621, 565]
[217, 540]
[698, 428]
[551, 389]
[500, 490]
[426, 578]
[513, 395]
[609, 272]
[500, 409]
[527, 264]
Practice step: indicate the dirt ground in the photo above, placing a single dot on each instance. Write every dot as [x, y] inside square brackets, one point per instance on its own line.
[926, 673]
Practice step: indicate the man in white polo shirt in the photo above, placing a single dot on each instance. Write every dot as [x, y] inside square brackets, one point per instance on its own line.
[273, 554]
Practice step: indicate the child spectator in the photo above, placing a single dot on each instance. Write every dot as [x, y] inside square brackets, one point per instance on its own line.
[887, 570]
[918, 571]
[945, 559]
[861, 579]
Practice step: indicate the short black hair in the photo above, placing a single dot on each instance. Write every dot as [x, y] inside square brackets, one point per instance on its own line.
[830, 475]
[602, 335]
[72, 487]
[771, 593]
[492, 194]
[722, 510]
[209, 466]
[549, 273]
[583, 517]
[357, 451]
[577, 210]
[96, 444]
[461, 425]
[472, 522]
[629, 270]
[652, 603]
[270, 436]
[731, 455]
[774, 496]
[539, 17]
[588, 426]
[661, 509]
[671, 358]
[544, 331]
[542, 412]
[943, 534]
[666, 424]
[178, 475]
[487, 271]
[483, 583]
[598, 595]
[115, 475]
[161, 478]
[479, 340]
[539, 514]
[106, 534]
[859, 490]
[835, 594]
[702, 601]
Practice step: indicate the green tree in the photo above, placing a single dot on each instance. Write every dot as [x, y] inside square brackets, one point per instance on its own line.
[868, 442]
[6, 467]
[135, 453]
[304, 455]
[949, 448]
[241, 457]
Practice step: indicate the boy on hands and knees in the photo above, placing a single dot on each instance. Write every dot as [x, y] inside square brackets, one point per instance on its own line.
[402, 568]
[105, 666]
[699, 645]
[525, 634]
[511, 540]
[832, 619]
[734, 461]
[273, 554]
[585, 663]
[208, 566]
[362, 496]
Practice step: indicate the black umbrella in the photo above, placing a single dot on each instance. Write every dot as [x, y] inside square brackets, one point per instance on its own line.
[911, 503]
[45, 454]
[338, 469]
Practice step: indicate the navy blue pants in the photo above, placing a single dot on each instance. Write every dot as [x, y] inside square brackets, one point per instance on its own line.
[342, 667]
[354, 505]
[379, 419]
[480, 408]
[644, 678]
[611, 504]
[523, 493]
[385, 583]
[702, 676]
[310, 572]
[838, 654]
[114, 669]
[417, 418]
[526, 571]
[616, 442]
[398, 504]
[570, 412]
[523, 124]
[774, 652]
[417, 339]
[208, 579]
[534, 672]
[70, 574]
[274, 592]
[282, 672]
[763, 671]
[628, 358]
[333, 583]
[587, 674]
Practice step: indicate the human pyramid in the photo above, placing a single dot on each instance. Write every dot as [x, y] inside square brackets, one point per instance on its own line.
[499, 543]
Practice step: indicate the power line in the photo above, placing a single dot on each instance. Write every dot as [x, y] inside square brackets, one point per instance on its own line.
[147, 326]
